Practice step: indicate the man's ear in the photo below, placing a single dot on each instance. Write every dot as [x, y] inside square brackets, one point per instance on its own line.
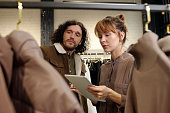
[122, 36]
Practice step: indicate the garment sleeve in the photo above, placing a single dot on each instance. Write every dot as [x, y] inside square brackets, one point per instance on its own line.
[130, 65]
[123, 100]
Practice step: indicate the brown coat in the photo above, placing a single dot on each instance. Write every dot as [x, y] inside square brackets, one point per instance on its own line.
[60, 62]
[35, 85]
[58, 59]
[6, 58]
[149, 89]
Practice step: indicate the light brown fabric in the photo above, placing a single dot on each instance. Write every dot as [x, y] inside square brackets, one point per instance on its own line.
[115, 75]
[164, 43]
[45, 88]
[6, 57]
[149, 88]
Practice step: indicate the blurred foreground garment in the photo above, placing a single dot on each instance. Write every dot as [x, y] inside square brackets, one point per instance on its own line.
[34, 86]
[149, 89]
[6, 58]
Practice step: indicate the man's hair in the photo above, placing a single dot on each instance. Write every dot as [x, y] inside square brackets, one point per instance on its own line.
[57, 36]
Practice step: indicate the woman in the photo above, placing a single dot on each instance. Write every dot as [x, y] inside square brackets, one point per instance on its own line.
[114, 75]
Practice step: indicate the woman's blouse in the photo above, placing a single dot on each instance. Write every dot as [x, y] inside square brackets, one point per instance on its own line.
[116, 75]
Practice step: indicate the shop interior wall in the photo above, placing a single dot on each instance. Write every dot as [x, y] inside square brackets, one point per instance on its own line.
[31, 21]
[133, 20]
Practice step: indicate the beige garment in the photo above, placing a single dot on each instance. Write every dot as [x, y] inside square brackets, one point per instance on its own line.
[35, 81]
[6, 105]
[149, 89]
[164, 44]
[6, 57]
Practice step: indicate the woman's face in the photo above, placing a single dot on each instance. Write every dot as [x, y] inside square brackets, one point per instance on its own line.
[110, 41]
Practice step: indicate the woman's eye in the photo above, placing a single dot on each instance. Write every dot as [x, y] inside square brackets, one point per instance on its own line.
[100, 37]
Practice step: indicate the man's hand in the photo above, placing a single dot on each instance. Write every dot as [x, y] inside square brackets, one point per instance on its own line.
[74, 89]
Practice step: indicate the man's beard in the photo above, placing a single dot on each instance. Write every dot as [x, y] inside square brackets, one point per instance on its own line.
[69, 49]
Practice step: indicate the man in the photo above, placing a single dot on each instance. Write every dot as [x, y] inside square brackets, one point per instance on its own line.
[68, 40]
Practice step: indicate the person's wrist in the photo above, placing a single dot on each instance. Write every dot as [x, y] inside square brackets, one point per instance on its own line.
[110, 92]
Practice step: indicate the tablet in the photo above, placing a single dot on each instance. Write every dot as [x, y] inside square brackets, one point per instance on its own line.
[81, 83]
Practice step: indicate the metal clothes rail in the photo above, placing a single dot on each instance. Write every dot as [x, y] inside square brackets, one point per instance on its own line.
[86, 5]
[97, 53]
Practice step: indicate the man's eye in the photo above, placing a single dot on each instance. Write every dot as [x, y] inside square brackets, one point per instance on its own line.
[68, 32]
[78, 35]
[107, 35]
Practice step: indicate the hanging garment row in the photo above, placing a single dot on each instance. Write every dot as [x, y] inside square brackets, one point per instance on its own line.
[94, 64]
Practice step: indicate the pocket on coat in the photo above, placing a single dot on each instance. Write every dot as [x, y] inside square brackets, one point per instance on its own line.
[57, 64]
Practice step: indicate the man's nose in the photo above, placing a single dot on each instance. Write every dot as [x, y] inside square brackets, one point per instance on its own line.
[72, 35]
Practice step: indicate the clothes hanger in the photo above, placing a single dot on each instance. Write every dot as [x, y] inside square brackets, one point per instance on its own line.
[20, 7]
[168, 29]
[148, 17]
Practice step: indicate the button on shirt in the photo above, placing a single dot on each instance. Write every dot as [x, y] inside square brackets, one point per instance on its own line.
[71, 64]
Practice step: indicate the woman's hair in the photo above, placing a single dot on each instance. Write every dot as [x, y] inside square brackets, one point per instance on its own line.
[57, 36]
[115, 24]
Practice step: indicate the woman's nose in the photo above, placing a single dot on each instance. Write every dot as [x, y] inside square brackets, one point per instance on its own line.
[102, 39]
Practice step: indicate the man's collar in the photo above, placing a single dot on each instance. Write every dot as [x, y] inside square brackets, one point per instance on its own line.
[59, 48]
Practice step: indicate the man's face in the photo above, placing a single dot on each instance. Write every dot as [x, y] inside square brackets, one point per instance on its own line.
[72, 37]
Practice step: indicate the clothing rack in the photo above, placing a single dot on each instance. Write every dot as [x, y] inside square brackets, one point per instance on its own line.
[86, 5]
[95, 53]
[94, 57]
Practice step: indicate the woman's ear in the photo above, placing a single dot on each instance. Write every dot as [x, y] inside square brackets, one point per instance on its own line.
[122, 36]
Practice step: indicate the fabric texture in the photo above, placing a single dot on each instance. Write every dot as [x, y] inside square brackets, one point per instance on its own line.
[115, 75]
[57, 57]
[164, 43]
[35, 85]
[149, 89]
[6, 58]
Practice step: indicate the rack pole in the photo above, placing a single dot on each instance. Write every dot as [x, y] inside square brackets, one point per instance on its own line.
[84, 5]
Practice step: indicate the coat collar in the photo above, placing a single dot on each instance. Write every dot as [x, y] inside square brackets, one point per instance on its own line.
[77, 57]
[59, 48]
